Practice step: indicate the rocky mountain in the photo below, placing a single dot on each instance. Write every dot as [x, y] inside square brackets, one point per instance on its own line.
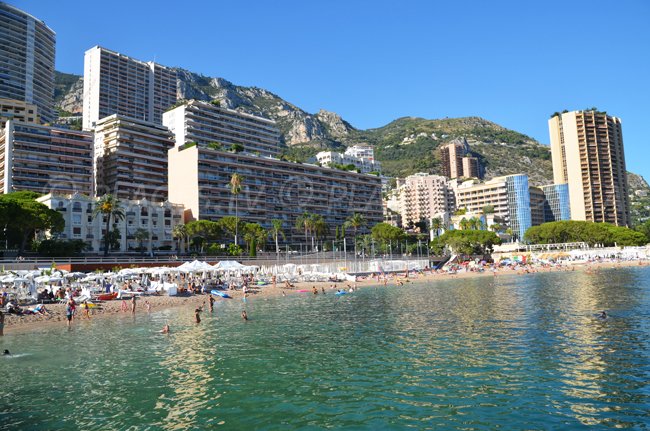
[68, 93]
[404, 146]
[296, 125]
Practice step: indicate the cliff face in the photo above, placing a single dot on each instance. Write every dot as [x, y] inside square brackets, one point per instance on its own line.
[68, 92]
[296, 125]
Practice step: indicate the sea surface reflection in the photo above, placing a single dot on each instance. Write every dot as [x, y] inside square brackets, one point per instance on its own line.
[512, 352]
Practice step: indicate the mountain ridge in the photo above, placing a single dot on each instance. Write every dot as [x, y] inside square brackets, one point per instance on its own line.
[404, 146]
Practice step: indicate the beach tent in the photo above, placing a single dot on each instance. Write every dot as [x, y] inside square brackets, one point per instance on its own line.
[195, 266]
[229, 265]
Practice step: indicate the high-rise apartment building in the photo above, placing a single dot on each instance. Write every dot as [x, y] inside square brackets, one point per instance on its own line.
[27, 60]
[456, 161]
[422, 196]
[587, 152]
[208, 124]
[45, 159]
[508, 195]
[204, 160]
[130, 158]
[117, 84]
[471, 167]
[199, 178]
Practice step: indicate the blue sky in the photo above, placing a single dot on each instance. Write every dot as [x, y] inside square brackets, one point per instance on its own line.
[511, 62]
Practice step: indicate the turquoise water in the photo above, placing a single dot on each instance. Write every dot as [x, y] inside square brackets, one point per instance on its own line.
[511, 353]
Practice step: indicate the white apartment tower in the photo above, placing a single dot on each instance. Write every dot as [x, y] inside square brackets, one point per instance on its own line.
[117, 84]
[27, 60]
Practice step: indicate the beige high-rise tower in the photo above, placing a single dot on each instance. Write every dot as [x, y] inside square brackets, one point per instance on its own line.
[587, 151]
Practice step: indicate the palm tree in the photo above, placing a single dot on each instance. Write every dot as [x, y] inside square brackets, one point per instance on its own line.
[475, 223]
[356, 221]
[110, 208]
[320, 228]
[180, 233]
[254, 234]
[236, 181]
[304, 223]
[276, 231]
[436, 225]
[141, 235]
[464, 224]
[496, 227]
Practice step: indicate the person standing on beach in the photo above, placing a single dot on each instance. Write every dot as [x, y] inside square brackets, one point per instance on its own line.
[2, 323]
[133, 304]
[124, 306]
[86, 310]
[70, 309]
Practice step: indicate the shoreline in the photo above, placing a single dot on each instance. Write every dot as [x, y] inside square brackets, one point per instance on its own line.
[15, 324]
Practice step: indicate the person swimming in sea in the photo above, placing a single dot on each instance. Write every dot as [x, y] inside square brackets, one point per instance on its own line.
[165, 329]
[197, 313]
[6, 353]
[603, 315]
[244, 315]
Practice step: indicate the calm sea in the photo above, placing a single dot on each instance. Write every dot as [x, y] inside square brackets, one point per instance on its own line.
[520, 353]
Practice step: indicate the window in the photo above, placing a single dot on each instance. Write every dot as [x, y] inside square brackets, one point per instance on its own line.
[76, 219]
[76, 232]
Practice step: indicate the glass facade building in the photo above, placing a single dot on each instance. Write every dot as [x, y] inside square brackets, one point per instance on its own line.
[556, 205]
[518, 204]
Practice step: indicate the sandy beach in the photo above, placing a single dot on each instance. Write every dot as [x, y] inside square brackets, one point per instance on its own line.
[113, 309]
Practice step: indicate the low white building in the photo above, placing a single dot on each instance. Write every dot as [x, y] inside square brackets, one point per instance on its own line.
[361, 156]
[156, 219]
[363, 152]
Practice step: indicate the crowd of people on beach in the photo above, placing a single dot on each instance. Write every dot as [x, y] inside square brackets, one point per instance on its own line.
[76, 305]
